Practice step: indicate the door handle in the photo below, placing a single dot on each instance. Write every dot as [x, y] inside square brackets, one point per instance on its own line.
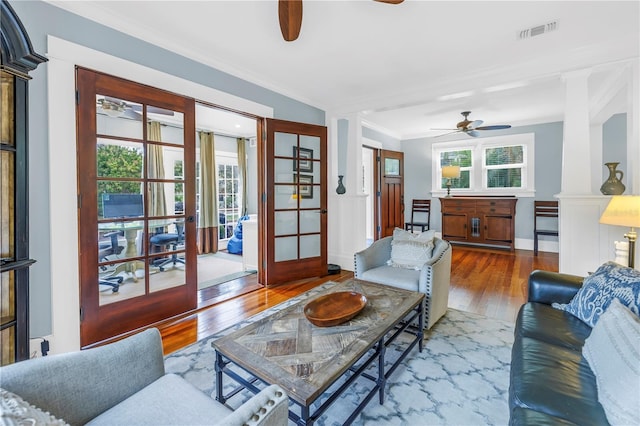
[190, 219]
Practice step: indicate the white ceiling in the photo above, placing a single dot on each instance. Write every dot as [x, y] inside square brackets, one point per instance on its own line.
[406, 68]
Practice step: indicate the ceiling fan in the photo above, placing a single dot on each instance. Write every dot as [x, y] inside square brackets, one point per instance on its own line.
[471, 127]
[290, 14]
[114, 107]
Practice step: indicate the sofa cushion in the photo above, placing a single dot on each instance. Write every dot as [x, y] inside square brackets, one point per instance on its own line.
[15, 411]
[168, 400]
[542, 322]
[613, 352]
[409, 250]
[406, 279]
[610, 281]
[554, 380]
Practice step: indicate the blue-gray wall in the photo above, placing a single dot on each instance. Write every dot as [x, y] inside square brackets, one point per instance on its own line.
[41, 19]
[548, 166]
[614, 147]
[388, 142]
[418, 164]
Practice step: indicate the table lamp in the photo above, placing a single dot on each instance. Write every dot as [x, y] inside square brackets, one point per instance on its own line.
[450, 172]
[624, 210]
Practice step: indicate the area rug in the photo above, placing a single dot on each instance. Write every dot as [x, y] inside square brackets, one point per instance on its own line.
[460, 378]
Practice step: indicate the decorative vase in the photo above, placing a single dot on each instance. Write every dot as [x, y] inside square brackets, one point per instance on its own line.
[613, 185]
[340, 189]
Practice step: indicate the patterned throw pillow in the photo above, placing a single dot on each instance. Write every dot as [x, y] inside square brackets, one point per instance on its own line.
[598, 289]
[613, 353]
[16, 411]
[409, 250]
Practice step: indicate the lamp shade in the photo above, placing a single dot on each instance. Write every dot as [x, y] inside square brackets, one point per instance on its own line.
[450, 172]
[623, 210]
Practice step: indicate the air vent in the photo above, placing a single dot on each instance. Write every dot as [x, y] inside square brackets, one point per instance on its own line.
[537, 30]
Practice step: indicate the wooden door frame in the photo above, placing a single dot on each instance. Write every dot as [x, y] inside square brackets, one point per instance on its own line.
[303, 268]
[383, 153]
[157, 305]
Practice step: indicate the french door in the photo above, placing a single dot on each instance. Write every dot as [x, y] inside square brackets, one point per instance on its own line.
[136, 213]
[294, 207]
[390, 182]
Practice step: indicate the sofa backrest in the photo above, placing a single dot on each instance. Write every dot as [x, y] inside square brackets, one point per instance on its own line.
[78, 386]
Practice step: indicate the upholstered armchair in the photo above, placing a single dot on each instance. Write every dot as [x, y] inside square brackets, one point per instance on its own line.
[432, 279]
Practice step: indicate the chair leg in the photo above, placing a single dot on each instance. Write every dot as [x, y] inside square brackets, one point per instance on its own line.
[535, 245]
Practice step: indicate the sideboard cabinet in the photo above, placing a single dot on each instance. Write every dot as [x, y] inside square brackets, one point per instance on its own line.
[479, 220]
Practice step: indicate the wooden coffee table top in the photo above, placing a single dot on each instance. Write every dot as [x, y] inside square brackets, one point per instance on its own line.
[286, 349]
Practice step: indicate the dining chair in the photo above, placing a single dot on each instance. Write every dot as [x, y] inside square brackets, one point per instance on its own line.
[543, 210]
[420, 207]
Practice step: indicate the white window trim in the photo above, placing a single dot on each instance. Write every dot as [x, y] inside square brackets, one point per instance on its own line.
[478, 171]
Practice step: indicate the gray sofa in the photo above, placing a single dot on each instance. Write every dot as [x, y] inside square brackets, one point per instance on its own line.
[432, 279]
[124, 383]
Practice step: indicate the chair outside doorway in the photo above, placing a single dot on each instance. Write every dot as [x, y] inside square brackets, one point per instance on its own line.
[420, 207]
[544, 210]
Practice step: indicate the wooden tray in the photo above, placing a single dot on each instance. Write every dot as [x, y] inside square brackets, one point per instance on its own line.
[334, 308]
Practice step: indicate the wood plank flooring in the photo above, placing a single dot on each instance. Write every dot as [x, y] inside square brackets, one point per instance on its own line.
[490, 282]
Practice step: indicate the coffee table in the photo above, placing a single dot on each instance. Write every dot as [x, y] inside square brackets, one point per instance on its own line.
[314, 365]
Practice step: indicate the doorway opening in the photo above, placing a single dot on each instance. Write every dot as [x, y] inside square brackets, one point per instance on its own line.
[227, 256]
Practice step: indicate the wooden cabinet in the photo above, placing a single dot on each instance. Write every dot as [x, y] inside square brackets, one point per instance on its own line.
[17, 60]
[479, 220]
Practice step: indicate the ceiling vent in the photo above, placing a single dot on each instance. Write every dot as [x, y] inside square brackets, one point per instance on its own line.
[537, 30]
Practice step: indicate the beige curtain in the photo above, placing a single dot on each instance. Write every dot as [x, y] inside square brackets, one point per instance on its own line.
[157, 201]
[208, 219]
[242, 170]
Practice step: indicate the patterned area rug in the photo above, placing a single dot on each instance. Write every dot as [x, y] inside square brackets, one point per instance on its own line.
[460, 378]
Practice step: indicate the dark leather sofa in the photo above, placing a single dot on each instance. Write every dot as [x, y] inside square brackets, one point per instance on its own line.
[551, 382]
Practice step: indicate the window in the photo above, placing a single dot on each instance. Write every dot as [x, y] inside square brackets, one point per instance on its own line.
[501, 165]
[229, 198]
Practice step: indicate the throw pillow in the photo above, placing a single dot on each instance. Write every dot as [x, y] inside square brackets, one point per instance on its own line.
[613, 353]
[610, 281]
[16, 411]
[409, 250]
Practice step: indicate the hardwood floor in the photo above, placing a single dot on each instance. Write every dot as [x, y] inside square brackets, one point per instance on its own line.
[490, 282]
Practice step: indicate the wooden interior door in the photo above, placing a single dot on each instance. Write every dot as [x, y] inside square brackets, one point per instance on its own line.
[130, 226]
[294, 202]
[391, 190]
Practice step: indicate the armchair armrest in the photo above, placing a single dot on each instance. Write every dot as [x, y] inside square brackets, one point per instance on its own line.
[78, 386]
[373, 256]
[548, 287]
[435, 278]
[270, 407]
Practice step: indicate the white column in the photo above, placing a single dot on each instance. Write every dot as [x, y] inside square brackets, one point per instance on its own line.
[596, 158]
[347, 212]
[633, 130]
[576, 152]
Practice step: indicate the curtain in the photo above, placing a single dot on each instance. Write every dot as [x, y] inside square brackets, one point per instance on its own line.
[157, 201]
[242, 170]
[208, 223]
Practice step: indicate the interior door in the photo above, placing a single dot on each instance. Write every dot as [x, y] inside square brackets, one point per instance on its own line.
[294, 201]
[136, 216]
[391, 190]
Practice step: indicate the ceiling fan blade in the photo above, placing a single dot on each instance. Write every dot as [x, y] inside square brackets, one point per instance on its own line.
[390, 1]
[130, 113]
[152, 110]
[445, 134]
[496, 127]
[290, 14]
[472, 133]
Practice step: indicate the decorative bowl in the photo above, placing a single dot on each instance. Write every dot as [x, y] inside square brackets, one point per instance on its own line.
[334, 308]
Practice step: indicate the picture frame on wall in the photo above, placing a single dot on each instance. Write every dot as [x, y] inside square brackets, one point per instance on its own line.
[306, 185]
[302, 160]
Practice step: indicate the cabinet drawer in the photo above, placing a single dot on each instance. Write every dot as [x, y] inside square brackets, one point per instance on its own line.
[495, 206]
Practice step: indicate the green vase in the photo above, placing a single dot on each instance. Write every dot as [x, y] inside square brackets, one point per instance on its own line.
[613, 185]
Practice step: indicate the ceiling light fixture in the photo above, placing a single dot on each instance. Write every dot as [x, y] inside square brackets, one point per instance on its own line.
[112, 109]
